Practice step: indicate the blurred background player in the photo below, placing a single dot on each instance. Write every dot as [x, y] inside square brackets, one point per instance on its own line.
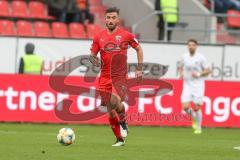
[193, 68]
[113, 44]
[30, 63]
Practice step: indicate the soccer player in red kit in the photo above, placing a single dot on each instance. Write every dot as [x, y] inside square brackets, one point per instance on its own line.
[112, 43]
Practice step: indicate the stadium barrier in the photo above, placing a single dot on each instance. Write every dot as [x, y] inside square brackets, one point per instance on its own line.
[21, 102]
[223, 59]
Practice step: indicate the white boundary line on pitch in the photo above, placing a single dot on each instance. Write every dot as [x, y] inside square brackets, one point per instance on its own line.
[237, 148]
[32, 133]
[25, 132]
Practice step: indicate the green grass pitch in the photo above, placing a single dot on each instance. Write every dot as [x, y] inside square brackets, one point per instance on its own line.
[38, 142]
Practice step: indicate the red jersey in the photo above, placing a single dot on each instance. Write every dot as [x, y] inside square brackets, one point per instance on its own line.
[113, 51]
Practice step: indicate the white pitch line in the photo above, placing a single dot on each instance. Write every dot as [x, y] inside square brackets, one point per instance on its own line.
[31, 133]
[24, 132]
[237, 148]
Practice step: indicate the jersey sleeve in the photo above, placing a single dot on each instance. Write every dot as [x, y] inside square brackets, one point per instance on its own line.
[204, 63]
[95, 45]
[180, 63]
[133, 42]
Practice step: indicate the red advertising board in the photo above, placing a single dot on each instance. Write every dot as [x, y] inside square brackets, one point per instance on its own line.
[29, 98]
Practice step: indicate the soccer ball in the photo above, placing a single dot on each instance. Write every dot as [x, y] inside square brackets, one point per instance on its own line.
[66, 136]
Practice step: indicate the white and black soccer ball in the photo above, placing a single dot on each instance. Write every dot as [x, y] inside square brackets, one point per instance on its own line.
[66, 136]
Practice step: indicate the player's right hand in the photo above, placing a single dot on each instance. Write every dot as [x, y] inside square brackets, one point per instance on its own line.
[196, 74]
[95, 60]
[181, 76]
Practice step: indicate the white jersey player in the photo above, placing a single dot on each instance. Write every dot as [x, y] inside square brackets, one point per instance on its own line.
[193, 68]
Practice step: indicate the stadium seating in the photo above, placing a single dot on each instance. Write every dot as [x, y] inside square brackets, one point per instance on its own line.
[233, 22]
[97, 9]
[30, 18]
[42, 29]
[99, 13]
[76, 30]
[37, 9]
[225, 38]
[230, 8]
[94, 2]
[19, 9]
[92, 29]
[24, 28]
[4, 8]
[59, 30]
[7, 28]
[207, 4]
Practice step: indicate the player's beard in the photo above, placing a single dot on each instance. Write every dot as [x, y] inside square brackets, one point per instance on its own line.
[192, 51]
[111, 27]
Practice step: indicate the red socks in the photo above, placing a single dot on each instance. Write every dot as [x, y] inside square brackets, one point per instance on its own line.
[122, 115]
[115, 127]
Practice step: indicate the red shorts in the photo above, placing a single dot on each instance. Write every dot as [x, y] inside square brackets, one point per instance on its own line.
[107, 88]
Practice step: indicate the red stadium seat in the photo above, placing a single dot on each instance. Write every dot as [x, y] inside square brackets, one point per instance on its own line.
[24, 28]
[76, 30]
[4, 8]
[97, 10]
[207, 3]
[42, 29]
[19, 9]
[92, 29]
[94, 2]
[60, 30]
[233, 22]
[7, 28]
[99, 13]
[226, 38]
[37, 9]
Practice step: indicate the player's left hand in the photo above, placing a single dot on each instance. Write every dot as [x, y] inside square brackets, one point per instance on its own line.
[139, 74]
[196, 74]
[95, 60]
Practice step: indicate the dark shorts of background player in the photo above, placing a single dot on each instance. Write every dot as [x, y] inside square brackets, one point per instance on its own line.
[116, 88]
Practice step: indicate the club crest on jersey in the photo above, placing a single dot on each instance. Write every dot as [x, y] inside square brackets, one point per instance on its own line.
[118, 39]
[118, 42]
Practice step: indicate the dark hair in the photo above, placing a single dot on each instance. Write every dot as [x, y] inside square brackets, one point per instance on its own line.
[29, 48]
[112, 9]
[193, 40]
